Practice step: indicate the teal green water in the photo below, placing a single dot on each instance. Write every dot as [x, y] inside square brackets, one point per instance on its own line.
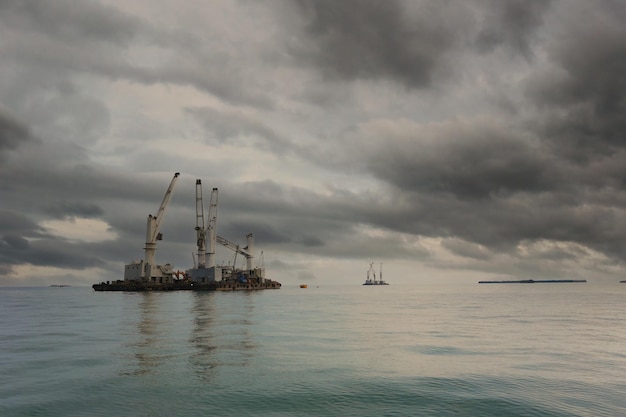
[471, 350]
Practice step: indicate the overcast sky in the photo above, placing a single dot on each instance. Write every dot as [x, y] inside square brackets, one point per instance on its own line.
[449, 140]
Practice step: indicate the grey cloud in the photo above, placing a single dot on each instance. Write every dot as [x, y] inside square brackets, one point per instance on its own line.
[236, 127]
[47, 252]
[14, 247]
[510, 23]
[65, 209]
[468, 159]
[5, 270]
[70, 20]
[91, 38]
[582, 96]
[14, 223]
[372, 39]
[466, 249]
[12, 132]
[63, 254]
[22, 241]
[289, 217]
[306, 276]
[15, 242]
[412, 42]
[65, 176]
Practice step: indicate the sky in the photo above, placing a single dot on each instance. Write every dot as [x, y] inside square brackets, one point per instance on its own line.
[451, 141]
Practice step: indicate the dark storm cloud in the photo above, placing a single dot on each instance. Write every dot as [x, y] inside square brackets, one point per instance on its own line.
[64, 178]
[495, 190]
[287, 215]
[14, 223]
[64, 209]
[510, 23]
[70, 20]
[414, 43]
[474, 229]
[23, 241]
[298, 220]
[63, 254]
[12, 252]
[546, 172]
[38, 187]
[582, 96]
[467, 160]
[372, 39]
[16, 250]
[12, 132]
[14, 229]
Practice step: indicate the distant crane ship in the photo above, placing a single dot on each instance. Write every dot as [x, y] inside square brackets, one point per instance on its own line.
[145, 275]
[371, 276]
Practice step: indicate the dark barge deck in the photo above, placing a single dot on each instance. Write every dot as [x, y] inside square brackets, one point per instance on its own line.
[132, 286]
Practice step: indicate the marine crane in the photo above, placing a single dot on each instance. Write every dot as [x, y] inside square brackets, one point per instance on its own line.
[200, 229]
[212, 227]
[247, 251]
[206, 234]
[154, 225]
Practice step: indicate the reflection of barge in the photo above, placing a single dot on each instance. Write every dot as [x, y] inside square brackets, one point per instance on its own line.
[145, 275]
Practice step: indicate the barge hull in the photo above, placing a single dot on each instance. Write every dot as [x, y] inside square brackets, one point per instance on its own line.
[184, 286]
[532, 281]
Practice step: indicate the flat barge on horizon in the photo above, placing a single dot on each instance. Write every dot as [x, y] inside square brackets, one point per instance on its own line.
[533, 281]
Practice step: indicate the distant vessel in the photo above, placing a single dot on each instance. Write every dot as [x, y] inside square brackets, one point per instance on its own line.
[371, 276]
[532, 281]
[303, 286]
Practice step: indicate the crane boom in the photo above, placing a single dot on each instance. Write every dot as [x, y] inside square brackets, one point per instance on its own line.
[247, 251]
[212, 227]
[154, 224]
[200, 229]
[230, 245]
[204, 234]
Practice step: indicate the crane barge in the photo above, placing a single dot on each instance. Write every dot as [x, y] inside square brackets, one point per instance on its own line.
[146, 275]
[371, 276]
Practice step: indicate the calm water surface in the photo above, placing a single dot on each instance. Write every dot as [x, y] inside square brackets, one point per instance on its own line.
[471, 350]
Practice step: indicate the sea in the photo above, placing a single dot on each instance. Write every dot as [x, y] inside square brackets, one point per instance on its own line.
[326, 350]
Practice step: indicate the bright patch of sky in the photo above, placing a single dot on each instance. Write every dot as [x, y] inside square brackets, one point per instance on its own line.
[81, 230]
